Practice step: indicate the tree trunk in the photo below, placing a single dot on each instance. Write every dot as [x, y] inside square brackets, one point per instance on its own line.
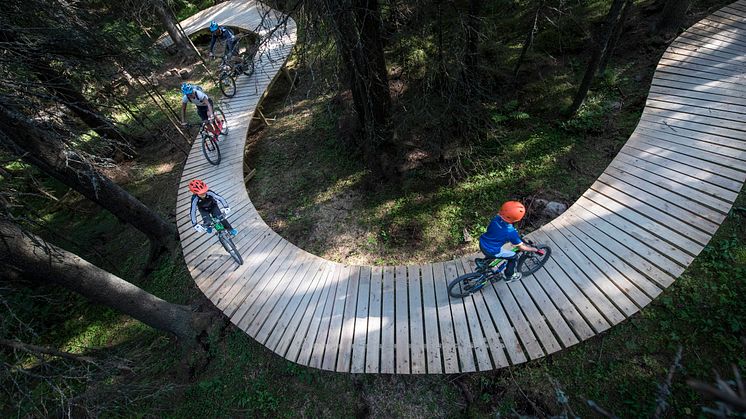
[43, 262]
[41, 149]
[71, 97]
[182, 45]
[598, 50]
[358, 38]
[672, 17]
[471, 44]
[616, 33]
[529, 38]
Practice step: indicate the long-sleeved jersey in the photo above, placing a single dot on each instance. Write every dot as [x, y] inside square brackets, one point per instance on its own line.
[205, 206]
[225, 34]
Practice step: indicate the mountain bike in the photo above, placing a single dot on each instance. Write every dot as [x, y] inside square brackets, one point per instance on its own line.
[230, 69]
[210, 139]
[225, 238]
[493, 269]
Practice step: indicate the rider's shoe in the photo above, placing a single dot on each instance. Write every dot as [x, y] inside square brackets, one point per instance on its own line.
[516, 277]
[234, 232]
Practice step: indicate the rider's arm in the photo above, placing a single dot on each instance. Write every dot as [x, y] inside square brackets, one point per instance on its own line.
[212, 42]
[183, 112]
[526, 248]
[193, 210]
[218, 198]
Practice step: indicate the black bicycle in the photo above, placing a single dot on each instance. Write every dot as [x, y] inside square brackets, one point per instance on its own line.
[493, 269]
[225, 238]
[230, 69]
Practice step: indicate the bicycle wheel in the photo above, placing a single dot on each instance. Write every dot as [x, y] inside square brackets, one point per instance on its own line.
[530, 262]
[220, 116]
[230, 247]
[466, 284]
[227, 85]
[210, 149]
[248, 65]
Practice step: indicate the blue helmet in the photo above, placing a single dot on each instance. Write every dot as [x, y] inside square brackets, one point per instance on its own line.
[187, 88]
[213, 26]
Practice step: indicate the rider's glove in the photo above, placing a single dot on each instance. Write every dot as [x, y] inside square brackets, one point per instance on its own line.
[209, 230]
[226, 210]
[199, 228]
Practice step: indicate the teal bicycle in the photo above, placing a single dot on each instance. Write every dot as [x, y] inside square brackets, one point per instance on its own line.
[493, 269]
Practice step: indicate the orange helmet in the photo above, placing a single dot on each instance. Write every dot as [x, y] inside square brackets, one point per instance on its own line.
[512, 211]
[197, 186]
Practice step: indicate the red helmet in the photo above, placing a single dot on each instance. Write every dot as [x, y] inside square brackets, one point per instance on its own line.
[512, 211]
[198, 186]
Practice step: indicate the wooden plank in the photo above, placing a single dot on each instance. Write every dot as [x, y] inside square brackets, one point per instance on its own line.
[295, 314]
[705, 124]
[478, 340]
[682, 248]
[620, 243]
[727, 166]
[373, 350]
[432, 335]
[713, 93]
[584, 306]
[331, 351]
[538, 323]
[445, 321]
[348, 322]
[647, 246]
[705, 175]
[607, 298]
[543, 281]
[673, 182]
[631, 282]
[517, 318]
[529, 288]
[361, 321]
[416, 321]
[668, 64]
[270, 317]
[511, 345]
[245, 304]
[656, 210]
[240, 282]
[694, 78]
[299, 346]
[402, 322]
[719, 144]
[706, 219]
[496, 348]
[467, 358]
[388, 322]
[320, 324]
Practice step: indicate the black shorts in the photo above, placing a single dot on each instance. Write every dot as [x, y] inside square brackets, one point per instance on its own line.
[202, 110]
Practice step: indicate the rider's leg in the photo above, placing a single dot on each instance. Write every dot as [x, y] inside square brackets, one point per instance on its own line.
[214, 124]
[202, 112]
[217, 214]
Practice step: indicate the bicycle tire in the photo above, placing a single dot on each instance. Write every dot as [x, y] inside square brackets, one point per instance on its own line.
[230, 247]
[223, 122]
[530, 262]
[248, 66]
[227, 85]
[210, 149]
[466, 285]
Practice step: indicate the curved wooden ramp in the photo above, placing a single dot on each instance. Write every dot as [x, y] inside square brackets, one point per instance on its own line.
[625, 240]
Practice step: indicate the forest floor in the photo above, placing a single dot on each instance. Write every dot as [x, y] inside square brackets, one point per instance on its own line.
[315, 193]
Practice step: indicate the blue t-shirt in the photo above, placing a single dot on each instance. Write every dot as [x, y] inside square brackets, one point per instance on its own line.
[498, 233]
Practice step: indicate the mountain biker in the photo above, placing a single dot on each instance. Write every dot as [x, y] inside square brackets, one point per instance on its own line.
[206, 202]
[205, 110]
[225, 34]
[501, 231]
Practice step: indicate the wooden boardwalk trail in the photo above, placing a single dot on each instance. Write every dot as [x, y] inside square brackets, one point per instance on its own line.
[619, 246]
